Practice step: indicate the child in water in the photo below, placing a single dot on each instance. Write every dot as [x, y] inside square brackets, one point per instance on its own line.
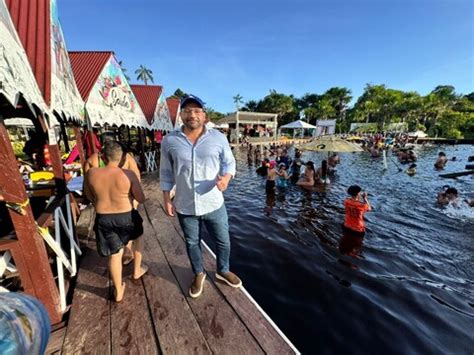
[271, 177]
[355, 207]
[282, 180]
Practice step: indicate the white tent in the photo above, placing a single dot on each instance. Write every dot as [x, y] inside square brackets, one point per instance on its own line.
[298, 124]
[210, 124]
[418, 134]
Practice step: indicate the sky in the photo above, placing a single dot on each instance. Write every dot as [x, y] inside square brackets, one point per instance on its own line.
[216, 49]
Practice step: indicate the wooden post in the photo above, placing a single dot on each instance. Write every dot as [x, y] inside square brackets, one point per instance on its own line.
[30, 242]
[79, 144]
[56, 161]
[237, 126]
[65, 138]
[275, 125]
[142, 149]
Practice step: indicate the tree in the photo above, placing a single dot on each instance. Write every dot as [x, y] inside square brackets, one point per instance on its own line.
[278, 103]
[237, 101]
[124, 71]
[144, 74]
[178, 94]
[213, 115]
[250, 106]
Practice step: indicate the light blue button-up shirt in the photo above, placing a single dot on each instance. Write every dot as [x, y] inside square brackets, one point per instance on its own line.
[194, 170]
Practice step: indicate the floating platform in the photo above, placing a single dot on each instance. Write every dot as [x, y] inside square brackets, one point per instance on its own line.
[157, 315]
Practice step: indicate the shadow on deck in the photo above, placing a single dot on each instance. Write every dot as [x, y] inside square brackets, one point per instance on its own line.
[157, 315]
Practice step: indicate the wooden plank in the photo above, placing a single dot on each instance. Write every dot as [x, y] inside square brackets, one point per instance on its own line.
[175, 324]
[455, 175]
[88, 331]
[56, 340]
[259, 326]
[131, 326]
[222, 328]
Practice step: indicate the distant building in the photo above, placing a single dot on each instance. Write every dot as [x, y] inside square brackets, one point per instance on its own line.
[325, 127]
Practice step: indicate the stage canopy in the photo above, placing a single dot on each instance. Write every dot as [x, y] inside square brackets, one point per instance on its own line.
[40, 32]
[174, 108]
[152, 101]
[107, 95]
[298, 124]
[16, 76]
[257, 118]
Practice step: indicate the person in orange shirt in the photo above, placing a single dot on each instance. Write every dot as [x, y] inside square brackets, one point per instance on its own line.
[356, 206]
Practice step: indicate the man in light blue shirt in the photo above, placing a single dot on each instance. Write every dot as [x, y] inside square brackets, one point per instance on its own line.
[200, 163]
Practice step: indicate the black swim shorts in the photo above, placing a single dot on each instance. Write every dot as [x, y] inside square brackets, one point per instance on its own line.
[114, 230]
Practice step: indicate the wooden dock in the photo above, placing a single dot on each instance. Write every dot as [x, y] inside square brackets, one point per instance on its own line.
[157, 316]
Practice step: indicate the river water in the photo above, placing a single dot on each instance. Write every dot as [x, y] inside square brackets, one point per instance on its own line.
[407, 287]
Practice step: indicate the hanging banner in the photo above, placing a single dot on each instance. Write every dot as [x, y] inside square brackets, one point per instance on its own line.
[65, 97]
[16, 75]
[161, 118]
[112, 101]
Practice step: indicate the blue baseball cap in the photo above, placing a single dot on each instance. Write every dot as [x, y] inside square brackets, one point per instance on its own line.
[191, 98]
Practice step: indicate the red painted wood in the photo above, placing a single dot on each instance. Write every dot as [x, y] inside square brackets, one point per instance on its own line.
[14, 248]
[30, 242]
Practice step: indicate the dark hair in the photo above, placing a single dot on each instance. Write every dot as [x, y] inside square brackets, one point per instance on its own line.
[451, 190]
[310, 164]
[112, 151]
[412, 166]
[354, 190]
[324, 168]
[442, 154]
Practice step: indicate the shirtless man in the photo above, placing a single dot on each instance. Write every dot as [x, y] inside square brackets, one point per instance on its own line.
[126, 162]
[441, 161]
[112, 191]
[333, 161]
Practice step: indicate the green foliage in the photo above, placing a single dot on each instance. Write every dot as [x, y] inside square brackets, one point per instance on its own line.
[178, 94]
[442, 112]
[144, 74]
[237, 101]
[213, 115]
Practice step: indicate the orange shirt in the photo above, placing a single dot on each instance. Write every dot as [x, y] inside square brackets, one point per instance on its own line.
[354, 218]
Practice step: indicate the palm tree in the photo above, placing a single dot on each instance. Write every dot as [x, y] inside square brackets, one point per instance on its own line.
[144, 74]
[124, 70]
[237, 101]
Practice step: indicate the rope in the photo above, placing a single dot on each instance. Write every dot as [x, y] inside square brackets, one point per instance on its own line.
[18, 207]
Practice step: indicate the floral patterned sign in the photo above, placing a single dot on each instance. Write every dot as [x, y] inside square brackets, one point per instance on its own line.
[161, 118]
[65, 97]
[112, 101]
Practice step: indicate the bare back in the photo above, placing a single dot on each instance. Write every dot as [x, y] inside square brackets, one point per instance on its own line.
[113, 189]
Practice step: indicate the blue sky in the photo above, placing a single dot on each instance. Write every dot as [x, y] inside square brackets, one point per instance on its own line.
[216, 49]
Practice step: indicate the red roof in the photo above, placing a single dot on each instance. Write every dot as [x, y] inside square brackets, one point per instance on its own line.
[32, 19]
[173, 107]
[87, 67]
[147, 96]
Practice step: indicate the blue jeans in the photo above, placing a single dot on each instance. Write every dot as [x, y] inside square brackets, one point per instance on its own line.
[217, 225]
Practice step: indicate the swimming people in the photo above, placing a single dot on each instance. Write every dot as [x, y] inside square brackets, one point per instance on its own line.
[450, 195]
[263, 169]
[441, 161]
[411, 169]
[321, 175]
[308, 176]
[355, 207]
[282, 179]
[333, 161]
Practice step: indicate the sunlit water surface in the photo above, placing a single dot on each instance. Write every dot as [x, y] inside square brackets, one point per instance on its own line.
[407, 287]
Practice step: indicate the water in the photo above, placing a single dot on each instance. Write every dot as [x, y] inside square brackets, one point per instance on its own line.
[407, 287]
